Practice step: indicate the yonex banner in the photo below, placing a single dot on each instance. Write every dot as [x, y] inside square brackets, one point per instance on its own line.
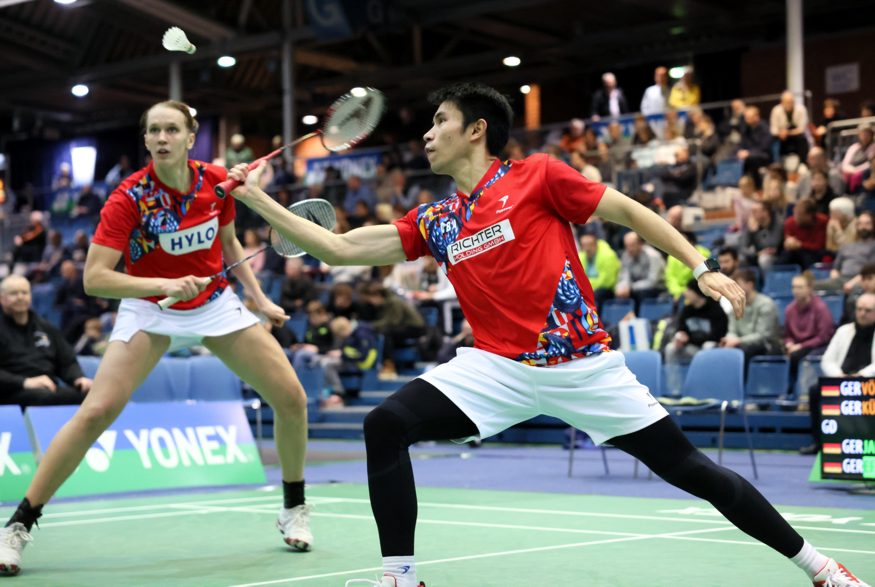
[16, 455]
[362, 163]
[159, 445]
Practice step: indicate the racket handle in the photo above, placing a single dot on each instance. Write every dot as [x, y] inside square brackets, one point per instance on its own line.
[167, 302]
[224, 188]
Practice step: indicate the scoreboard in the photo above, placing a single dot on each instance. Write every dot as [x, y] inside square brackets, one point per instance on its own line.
[847, 427]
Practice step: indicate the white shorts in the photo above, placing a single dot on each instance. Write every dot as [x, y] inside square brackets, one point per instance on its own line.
[597, 394]
[185, 328]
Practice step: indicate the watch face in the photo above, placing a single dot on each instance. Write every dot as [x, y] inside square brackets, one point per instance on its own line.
[712, 264]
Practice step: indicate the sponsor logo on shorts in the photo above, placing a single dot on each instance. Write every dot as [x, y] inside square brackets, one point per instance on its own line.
[195, 238]
[488, 238]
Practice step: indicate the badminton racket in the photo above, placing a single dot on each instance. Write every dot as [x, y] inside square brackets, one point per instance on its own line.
[315, 210]
[348, 122]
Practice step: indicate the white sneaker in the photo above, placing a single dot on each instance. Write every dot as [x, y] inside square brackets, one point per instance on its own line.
[835, 574]
[13, 539]
[294, 525]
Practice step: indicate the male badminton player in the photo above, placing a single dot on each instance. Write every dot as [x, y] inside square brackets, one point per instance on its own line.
[505, 243]
[172, 230]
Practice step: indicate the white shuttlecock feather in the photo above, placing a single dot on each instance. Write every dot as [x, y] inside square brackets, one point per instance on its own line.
[175, 40]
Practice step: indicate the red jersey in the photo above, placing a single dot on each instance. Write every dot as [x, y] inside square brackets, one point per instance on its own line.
[510, 254]
[166, 233]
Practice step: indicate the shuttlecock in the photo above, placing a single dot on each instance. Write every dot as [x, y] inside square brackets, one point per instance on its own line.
[175, 40]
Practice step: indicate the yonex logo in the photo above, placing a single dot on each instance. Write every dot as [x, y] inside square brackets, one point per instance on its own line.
[6, 461]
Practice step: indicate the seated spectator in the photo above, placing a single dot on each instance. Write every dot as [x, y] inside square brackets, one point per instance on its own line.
[678, 179]
[842, 226]
[298, 288]
[465, 338]
[755, 148]
[701, 324]
[29, 245]
[238, 151]
[742, 201]
[641, 270]
[53, 254]
[857, 158]
[88, 204]
[118, 172]
[358, 191]
[395, 319]
[581, 163]
[761, 239]
[356, 353]
[75, 305]
[851, 353]
[866, 285]
[821, 192]
[342, 301]
[727, 257]
[393, 190]
[804, 235]
[685, 92]
[817, 160]
[774, 195]
[252, 243]
[832, 111]
[93, 341]
[572, 139]
[35, 354]
[317, 338]
[730, 129]
[602, 266]
[78, 249]
[643, 133]
[788, 123]
[808, 323]
[677, 274]
[758, 332]
[845, 273]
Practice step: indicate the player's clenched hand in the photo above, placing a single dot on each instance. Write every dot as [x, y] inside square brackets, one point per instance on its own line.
[249, 178]
[185, 288]
[274, 314]
[716, 285]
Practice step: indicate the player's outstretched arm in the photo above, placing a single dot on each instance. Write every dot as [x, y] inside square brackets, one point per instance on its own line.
[369, 245]
[102, 280]
[622, 209]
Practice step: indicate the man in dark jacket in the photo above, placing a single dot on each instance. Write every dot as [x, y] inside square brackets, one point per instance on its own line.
[701, 324]
[755, 148]
[35, 354]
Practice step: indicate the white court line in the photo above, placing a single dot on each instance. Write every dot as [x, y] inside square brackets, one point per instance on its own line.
[485, 555]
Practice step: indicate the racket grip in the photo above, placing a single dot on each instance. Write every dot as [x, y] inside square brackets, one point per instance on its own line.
[167, 302]
[224, 188]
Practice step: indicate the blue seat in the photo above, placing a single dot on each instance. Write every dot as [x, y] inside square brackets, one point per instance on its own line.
[614, 310]
[716, 380]
[298, 326]
[836, 305]
[768, 377]
[647, 367]
[727, 173]
[820, 270]
[311, 376]
[656, 308]
[157, 387]
[778, 279]
[431, 315]
[89, 365]
[782, 302]
[212, 380]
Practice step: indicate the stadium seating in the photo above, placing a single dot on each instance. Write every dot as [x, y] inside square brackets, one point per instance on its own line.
[298, 326]
[366, 380]
[715, 382]
[656, 308]
[836, 305]
[614, 310]
[768, 378]
[778, 279]
[647, 367]
[210, 379]
[782, 301]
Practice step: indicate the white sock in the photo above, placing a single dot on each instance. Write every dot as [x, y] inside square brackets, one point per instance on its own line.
[403, 568]
[809, 560]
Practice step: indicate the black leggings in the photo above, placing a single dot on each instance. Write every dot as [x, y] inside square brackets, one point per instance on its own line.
[419, 411]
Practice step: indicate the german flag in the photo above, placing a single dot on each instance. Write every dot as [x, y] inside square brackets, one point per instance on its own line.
[830, 410]
[829, 391]
[832, 468]
[832, 448]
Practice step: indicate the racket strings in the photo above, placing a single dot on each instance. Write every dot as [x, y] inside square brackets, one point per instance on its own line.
[352, 119]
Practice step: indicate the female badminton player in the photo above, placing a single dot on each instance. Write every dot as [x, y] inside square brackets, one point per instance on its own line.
[172, 230]
[505, 243]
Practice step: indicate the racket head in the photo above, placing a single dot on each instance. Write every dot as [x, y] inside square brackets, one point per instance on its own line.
[352, 117]
[315, 210]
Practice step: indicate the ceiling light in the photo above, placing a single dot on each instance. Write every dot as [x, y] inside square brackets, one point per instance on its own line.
[79, 90]
[309, 120]
[677, 72]
[65, 1]
[192, 111]
[511, 61]
[525, 89]
[226, 61]
[359, 92]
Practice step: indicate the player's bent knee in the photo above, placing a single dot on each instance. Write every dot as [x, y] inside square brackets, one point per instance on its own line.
[290, 403]
[98, 415]
[384, 426]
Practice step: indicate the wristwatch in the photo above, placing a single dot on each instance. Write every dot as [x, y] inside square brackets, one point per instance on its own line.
[709, 264]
